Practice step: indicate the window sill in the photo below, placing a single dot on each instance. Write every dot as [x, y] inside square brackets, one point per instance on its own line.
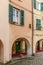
[38, 10]
[37, 30]
[16, 24]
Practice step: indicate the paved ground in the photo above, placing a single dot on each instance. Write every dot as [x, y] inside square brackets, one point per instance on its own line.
[38, 60]
[1, 63]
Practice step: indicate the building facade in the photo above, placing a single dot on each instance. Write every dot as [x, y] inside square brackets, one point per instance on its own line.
[15, 29]
[38, 26]
[21, 28]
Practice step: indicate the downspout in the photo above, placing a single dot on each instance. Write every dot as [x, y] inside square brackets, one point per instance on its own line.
[32, 28]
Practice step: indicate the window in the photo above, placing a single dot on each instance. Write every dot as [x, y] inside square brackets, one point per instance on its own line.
[16, 16]
[38, 24]
[38, 7]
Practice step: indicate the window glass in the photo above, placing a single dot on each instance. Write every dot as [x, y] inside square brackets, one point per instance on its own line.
[15, 15]
[38, 6]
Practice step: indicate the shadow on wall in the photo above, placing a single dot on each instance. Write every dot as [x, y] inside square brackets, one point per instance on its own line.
[1, 51]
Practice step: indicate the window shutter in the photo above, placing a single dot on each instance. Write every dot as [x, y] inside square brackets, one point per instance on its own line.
[41, 6]
[38, 24]
[10, 13]
[21, 17]
[35, 4]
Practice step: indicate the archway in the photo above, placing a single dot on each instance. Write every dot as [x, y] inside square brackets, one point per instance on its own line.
[1, 51]
[39, 46]
[20, 47]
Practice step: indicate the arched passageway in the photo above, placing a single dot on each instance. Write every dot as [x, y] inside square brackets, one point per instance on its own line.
[1, 51]
[39, 46]
[20, 47]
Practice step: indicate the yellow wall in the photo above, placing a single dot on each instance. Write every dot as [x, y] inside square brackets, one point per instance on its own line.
[38, 34]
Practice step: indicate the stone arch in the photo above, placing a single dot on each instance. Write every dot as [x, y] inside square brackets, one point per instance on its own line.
[1, 51]
[39, 45]
[22, 41]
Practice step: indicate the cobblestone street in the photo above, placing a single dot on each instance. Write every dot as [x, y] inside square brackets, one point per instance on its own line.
[1, 63]
[38, 60]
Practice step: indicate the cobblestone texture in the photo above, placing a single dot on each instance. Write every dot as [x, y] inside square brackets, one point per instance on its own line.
[38, 60]
[1, 63]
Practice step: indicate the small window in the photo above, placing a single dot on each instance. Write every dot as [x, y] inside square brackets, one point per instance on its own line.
[38, 24]
[16, 16]
[38, 7]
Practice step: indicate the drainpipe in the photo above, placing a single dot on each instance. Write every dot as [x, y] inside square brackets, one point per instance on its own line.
[32, 28]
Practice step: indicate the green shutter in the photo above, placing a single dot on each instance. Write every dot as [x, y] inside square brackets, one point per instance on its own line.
[10, 13]
[21, 17]
[35, 4]
[41, 6]
[38, 24]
